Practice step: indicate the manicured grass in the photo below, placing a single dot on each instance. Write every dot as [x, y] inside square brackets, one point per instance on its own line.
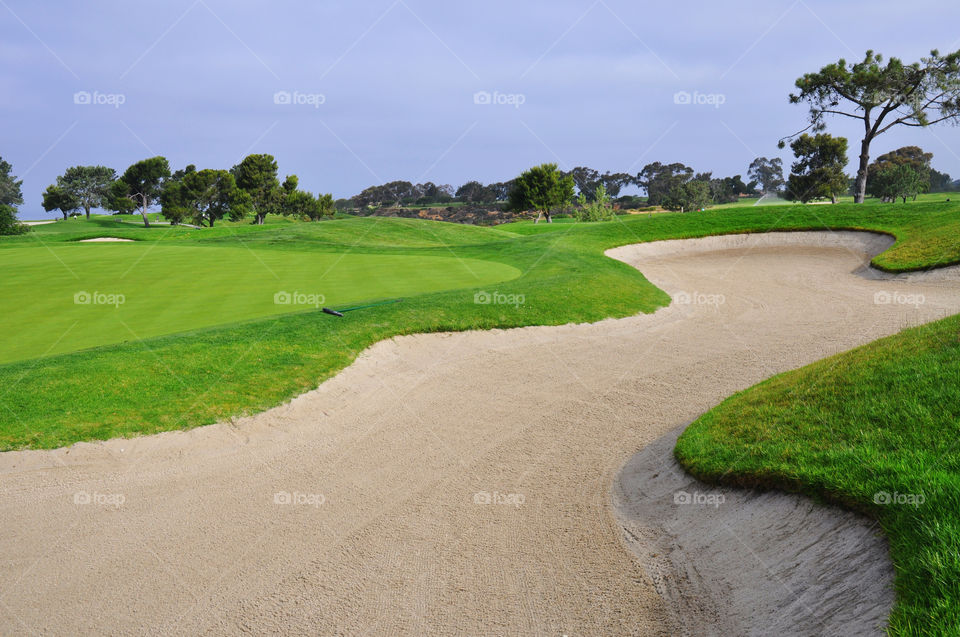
[74, 296]
[876, 429]
[198, 377]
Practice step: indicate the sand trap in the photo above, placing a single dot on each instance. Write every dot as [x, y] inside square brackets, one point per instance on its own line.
[743, 562]
[103, 240]
[443, 483]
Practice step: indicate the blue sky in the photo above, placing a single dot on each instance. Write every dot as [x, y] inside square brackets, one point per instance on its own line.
[349, 94]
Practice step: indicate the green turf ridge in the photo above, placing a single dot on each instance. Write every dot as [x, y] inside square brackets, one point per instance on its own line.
[876, 429]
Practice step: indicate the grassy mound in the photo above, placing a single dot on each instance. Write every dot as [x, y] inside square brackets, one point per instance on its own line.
[876, 429]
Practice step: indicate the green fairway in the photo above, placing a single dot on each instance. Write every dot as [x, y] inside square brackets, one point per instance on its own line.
[132, 291]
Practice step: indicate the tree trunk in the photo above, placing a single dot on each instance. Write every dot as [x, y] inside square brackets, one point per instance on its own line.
[861, 184]
[64, 215]
[539, 214]
[833, 198]
[549, 217]
[86, 209]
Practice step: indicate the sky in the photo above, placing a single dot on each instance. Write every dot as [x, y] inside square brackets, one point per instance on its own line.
[350, 94]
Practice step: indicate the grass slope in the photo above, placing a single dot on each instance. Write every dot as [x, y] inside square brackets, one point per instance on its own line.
[876, 429]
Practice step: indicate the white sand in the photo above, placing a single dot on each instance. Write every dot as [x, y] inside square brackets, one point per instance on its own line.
[398, 446]
[103, 240]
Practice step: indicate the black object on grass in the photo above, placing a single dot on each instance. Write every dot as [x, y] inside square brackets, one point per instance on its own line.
[339, 313]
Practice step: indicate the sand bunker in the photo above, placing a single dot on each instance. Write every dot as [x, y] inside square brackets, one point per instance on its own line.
[103, 239]
[744, 562]
[443, 483]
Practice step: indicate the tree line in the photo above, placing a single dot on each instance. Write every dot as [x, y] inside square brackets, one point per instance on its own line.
[249, 189]
[655, 178]
[880, 95]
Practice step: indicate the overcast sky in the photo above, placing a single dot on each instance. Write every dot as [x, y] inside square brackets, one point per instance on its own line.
[349, 94]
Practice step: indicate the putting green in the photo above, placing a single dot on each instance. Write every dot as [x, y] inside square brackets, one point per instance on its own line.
[132, 291]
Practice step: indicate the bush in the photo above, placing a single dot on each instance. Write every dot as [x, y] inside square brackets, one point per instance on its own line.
[597, 210]
[9, 223]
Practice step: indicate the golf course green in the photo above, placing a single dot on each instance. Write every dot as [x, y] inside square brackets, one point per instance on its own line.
[132, 291]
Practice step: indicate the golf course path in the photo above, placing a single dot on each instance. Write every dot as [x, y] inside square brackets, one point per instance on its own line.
[444, 483]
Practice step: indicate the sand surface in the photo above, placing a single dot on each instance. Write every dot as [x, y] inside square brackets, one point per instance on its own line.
[442, 484]
[752, 563]
[103, 240]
